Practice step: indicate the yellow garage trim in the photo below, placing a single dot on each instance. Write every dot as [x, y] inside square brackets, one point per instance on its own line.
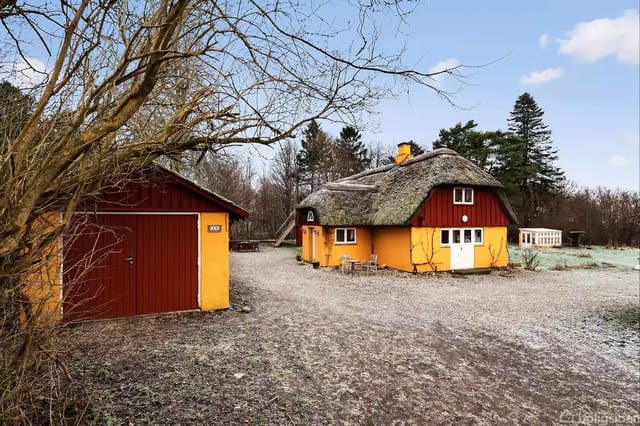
[214, 261]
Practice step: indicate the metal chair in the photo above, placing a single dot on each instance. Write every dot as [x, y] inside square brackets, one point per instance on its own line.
[371, 264]
[343, 261]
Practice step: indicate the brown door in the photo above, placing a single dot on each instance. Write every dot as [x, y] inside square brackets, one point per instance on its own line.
[120, 265]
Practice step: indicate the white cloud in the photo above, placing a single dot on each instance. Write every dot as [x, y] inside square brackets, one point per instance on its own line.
[443, 65]
[543, 40]
[593, 40]
[619, 161]
[22, 74]
[538, 77]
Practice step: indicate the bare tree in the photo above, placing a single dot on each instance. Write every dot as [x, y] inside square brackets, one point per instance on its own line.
[285, 176]
[131, 81]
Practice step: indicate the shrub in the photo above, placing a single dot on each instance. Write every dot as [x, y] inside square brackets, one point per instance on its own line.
[530, 260]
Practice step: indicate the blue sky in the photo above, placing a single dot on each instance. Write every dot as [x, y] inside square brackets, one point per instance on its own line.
[579, 60]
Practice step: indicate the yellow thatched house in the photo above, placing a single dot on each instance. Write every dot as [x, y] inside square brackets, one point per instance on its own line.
[437, 211]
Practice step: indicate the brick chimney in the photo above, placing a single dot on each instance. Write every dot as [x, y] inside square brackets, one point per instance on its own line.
[404, 152]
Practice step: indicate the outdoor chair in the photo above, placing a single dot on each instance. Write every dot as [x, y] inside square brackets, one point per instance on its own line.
[371, 265]
[344, 264]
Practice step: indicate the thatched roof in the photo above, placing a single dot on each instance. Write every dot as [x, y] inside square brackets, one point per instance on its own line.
[392, 195]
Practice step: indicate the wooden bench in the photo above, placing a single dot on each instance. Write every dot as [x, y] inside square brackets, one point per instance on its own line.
[244, 245]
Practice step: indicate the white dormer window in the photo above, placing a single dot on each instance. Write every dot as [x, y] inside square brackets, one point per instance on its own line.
[462, 195]
[310, 217]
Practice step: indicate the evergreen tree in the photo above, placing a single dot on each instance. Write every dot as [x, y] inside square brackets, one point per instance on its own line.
[474, 145]
[350, 153]
[15, 110]
[314, 158]
[526, 160]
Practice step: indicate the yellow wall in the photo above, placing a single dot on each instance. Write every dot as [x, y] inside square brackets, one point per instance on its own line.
[392, 245]
[331, 252]
[402, 247]
[306, 241]
[42, 284]
[493, 253]
[214, 262]
[327, 252]
[426, 252]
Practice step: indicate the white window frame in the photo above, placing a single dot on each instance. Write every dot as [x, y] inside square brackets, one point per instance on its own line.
[481, 242]
[449, 233]
[464, 191]
[346, 233]
[473, 236]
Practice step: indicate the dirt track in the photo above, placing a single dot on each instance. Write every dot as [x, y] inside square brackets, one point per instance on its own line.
[320, 347]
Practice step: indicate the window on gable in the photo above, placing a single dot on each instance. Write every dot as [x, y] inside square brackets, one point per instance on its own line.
[462, 195]
[345, 235]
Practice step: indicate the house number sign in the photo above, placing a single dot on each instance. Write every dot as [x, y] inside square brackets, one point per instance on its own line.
[214, 228]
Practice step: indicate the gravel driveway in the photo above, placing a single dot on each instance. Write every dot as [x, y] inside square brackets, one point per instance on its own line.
[320, 347]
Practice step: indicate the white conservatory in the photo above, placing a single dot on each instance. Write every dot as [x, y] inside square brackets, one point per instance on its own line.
[540, 237]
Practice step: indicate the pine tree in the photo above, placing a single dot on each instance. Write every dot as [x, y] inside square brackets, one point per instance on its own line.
[526, 160]
[314, 158]
[474, 145]
[350, 153]
[15, 109]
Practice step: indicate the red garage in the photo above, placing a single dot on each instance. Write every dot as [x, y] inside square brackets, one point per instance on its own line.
[157, 244]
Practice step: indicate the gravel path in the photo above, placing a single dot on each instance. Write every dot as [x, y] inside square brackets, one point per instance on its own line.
[538, 309]
[320, 347]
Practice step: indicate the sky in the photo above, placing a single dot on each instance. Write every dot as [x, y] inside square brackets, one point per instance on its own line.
[578, 59]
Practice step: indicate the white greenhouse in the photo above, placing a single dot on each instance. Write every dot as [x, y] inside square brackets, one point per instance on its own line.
[540, 237]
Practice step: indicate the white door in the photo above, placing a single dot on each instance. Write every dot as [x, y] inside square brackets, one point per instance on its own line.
[462, 249]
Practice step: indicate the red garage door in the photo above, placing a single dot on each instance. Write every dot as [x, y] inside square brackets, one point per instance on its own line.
[119, 265]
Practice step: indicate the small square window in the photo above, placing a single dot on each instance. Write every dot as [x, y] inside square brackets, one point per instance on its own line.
[444, 237]
[456, 236]
[478, 236]
[462, 195]
[351, 235]
[467, 236]
[457, 195]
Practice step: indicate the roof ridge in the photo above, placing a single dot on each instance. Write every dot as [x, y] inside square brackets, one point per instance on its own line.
[427, 155]
[348, 186]
[367, 173]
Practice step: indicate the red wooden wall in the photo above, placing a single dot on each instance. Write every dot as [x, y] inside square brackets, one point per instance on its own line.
[158, 196]
[440, 211]
[154, 189]
[100, 281]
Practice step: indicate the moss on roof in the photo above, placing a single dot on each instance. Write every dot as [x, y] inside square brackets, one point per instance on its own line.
[391, 195]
